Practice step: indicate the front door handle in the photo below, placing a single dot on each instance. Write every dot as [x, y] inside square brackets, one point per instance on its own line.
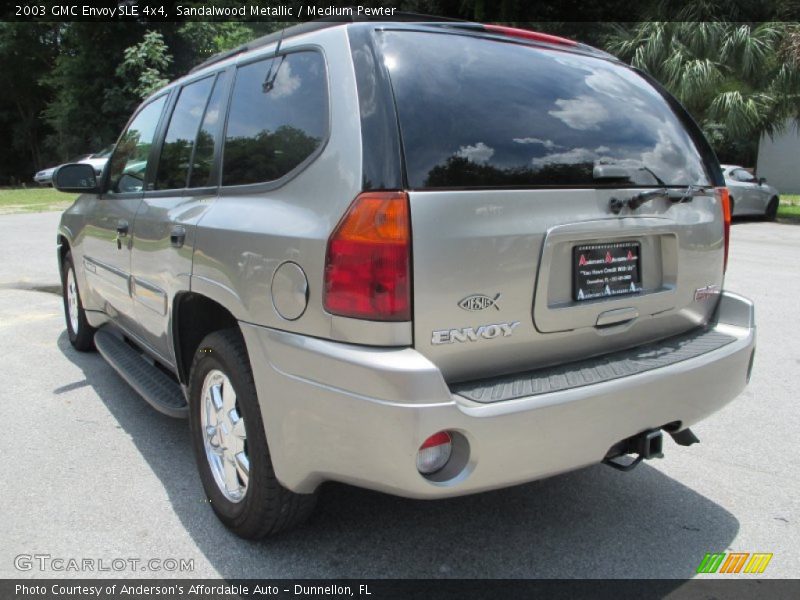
[177, 236]
[122, 231]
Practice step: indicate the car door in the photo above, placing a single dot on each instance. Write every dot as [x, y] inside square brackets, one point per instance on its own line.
[750, 194]
[183, 187]
[110, 216]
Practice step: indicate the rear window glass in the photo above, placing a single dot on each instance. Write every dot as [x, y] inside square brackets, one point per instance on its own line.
[476, 112]
[278, 117]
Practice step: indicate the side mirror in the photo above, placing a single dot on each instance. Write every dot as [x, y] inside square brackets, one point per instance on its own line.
[76, 178]
[762, 180]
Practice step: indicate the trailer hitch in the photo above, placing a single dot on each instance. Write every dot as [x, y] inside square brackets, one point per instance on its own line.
[645, 445]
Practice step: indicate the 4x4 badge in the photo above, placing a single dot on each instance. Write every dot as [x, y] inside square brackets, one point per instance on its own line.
[704, 293]
[479, 302]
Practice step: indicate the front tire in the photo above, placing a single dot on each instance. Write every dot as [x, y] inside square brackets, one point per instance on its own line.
[772, 210]
[230, 443]
[81, 334]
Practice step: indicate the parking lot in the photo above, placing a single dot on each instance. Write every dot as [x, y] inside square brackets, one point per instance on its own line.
[89, 470]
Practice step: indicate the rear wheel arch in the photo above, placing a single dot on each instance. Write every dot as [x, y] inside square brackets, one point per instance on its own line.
[195, 316]
[63, 248]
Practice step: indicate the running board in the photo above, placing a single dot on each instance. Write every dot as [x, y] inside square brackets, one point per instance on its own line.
[156, 387]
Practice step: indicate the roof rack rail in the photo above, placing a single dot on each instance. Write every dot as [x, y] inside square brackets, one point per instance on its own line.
[316, 25]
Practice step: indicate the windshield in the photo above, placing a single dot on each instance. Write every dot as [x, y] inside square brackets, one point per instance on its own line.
[476, 112]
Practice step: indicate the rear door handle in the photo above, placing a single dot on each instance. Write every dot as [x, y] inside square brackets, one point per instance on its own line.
[177, 236]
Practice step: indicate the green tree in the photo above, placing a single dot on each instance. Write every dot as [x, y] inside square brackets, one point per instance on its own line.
[144, 65]
[206, 38]
[84, 114]
[27, 52]
[739, 80]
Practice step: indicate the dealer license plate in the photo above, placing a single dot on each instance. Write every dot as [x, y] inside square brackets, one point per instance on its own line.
[606, 270]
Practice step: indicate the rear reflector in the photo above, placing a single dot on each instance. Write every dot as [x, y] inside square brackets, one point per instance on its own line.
[529, 35]
[367, 268]
[434, 453]
[725, 204]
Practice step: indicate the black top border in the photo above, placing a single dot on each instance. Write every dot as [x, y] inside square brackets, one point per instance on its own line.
[293, 12]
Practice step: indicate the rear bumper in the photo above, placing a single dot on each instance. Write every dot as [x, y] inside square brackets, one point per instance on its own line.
[357, 415]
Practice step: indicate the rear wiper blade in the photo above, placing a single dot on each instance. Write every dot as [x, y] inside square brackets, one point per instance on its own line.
[615, 171]
[676, 196]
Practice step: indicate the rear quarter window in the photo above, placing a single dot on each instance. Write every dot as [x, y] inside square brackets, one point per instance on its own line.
[176, 153]
[478, 112]
[278, 117]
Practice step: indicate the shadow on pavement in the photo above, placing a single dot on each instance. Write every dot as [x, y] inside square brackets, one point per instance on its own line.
[595, 522]
[757, 219]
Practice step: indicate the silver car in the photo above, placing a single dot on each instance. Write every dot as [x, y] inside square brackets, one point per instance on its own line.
[750, 195]
[97, 160]
[429, 259]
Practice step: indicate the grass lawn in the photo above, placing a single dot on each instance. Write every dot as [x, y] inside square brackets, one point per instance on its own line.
[790, 199]
[789, 212]
[790, 207]
[32, 199]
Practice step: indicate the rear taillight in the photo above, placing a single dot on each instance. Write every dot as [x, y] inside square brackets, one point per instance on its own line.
[725, 203]
[368, 265]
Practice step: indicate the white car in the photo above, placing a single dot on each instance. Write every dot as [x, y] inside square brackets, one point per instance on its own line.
[98, 161]
[750, 195]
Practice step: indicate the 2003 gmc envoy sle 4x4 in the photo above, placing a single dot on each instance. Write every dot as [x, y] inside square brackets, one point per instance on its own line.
[426, 258]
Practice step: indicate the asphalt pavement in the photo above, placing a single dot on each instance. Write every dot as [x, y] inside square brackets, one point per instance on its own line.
[90, 471]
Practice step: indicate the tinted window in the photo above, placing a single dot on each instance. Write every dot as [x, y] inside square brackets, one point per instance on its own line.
[176, 153]
[208, 134]
[129, 161]
[743, 175]
[478, 112]
[278, 117]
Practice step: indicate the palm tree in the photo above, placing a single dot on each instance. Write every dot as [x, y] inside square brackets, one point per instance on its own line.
[739, 80]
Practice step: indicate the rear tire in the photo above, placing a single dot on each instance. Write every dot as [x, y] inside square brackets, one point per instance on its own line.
[81, 334]
[234, 460]
[772, 210]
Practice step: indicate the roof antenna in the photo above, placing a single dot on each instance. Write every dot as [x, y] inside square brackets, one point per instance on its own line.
[269, 80]
[280, 41]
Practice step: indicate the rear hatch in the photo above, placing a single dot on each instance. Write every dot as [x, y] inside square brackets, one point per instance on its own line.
[520, 161]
